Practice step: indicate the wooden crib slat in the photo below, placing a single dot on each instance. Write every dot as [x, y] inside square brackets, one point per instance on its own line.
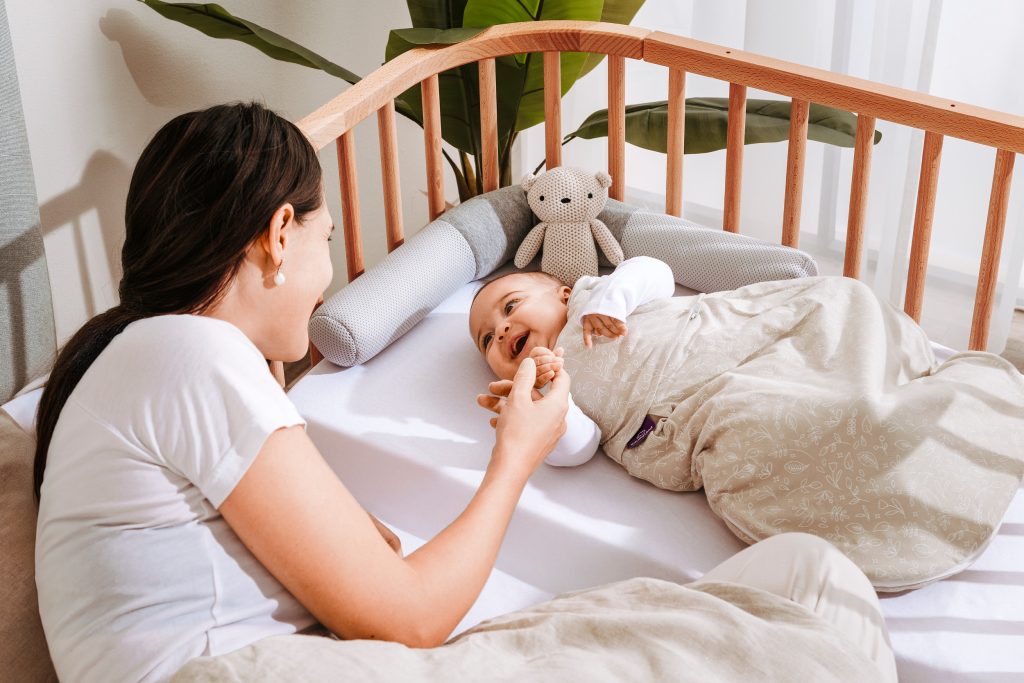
[859, 194]
[489, 123]
[734, 156]
[552, 109]
[923, 215]
[432, 140]
[388, 135]
[676, 138]
[798, 113]
[617, 125]
[989, 271]
[350, 204]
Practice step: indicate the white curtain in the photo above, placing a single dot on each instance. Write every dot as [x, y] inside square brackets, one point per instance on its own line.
[966, 51]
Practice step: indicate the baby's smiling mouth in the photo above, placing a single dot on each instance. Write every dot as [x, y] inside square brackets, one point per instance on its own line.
[519, 343]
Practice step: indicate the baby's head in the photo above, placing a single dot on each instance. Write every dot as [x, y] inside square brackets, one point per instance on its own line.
[513, 314]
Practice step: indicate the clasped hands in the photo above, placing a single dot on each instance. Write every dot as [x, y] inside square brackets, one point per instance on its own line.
[549, 362]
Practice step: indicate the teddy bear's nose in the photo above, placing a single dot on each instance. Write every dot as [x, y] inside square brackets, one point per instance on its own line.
[566, 200]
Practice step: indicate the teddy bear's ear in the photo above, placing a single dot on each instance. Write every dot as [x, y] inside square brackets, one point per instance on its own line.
[603, 179]
[528, 180]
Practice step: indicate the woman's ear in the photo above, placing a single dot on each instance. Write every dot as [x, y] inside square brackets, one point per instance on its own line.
[278, 233]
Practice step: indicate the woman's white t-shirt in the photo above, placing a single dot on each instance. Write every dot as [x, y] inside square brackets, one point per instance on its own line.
[136, 569]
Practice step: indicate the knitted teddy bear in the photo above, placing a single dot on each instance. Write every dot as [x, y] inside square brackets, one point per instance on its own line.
[567, 201]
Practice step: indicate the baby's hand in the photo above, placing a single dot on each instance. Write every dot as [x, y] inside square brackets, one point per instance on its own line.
[548, 363]
[602, 326]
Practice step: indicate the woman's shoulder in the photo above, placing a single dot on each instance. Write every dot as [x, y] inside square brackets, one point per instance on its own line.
[176, 351]
[195, 336]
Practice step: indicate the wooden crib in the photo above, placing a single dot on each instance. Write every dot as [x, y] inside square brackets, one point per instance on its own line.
[938, 117]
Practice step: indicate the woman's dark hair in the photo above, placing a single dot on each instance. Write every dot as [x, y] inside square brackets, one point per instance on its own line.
[202, 192]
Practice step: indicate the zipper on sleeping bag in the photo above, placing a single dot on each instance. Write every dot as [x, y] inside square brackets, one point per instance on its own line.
[648, 424]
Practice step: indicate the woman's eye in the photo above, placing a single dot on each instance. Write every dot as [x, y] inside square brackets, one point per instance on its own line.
[487, 340]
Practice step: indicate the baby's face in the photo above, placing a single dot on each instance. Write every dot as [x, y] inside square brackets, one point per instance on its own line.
[514, 314]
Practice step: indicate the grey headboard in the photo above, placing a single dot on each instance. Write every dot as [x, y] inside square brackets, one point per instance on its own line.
[27, 337]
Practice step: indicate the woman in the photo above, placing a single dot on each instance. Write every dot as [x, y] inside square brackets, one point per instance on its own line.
[183, 509]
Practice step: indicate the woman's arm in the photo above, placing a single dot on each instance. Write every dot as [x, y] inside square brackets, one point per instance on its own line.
[304, 526]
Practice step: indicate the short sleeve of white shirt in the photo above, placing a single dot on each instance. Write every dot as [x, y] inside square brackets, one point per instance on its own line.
[136, 569]
[217, 405]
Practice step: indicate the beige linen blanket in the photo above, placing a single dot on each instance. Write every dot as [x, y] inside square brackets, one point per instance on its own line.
[636, 630]
[809, 405]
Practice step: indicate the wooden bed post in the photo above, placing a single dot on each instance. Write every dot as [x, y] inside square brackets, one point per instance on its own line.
[988, 273]
[798, 113]
[489, 124]
[859, 195]
[734, 156]
[432, 140]
[923, 215]
[350, 204]
[552, 109]
[617, 126]
[389, 175]
[676, 141]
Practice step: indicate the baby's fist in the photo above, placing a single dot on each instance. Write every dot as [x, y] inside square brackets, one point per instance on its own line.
[549, 363]
[602, 326]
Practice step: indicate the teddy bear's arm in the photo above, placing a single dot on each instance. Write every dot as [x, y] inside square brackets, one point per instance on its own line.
[604, 238]
[531, 245]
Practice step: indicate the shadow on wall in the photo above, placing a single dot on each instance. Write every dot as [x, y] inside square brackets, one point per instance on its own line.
[103, 188]
[164, 71]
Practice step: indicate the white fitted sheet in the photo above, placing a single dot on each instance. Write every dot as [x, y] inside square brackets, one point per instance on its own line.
[405, 435]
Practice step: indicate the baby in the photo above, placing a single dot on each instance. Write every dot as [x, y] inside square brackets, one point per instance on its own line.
[797, 405]
[524, 314]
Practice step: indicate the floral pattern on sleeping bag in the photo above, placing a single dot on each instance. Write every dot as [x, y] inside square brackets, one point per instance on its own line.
[809, 405]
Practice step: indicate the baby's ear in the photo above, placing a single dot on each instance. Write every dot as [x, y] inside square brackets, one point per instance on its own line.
[603, 179]
[528, 180]
[564, 292]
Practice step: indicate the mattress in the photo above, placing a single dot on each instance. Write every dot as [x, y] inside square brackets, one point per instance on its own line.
[404, 433]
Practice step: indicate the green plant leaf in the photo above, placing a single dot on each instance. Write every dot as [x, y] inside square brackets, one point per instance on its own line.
[458, 88]
[436, 13]
[525, 93]
[217, 22]
[614, 12]
[707, 124]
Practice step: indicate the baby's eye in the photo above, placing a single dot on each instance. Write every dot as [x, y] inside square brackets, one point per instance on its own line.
[487, 340]
[510, 305]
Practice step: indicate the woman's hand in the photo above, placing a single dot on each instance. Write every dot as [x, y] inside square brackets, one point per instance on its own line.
[528, 425]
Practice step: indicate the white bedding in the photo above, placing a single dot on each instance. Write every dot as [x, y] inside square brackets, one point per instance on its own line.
[405, 435]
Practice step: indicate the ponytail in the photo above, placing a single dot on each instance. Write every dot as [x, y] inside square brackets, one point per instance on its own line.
[72, 362]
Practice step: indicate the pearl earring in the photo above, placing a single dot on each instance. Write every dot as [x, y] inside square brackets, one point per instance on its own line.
[279, 278]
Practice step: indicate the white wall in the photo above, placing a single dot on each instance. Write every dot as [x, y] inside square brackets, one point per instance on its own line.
[99, 77]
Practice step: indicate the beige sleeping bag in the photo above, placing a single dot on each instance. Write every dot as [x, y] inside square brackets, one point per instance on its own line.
[809, 405]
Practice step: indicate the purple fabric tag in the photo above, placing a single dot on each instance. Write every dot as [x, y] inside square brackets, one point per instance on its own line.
[645, 430]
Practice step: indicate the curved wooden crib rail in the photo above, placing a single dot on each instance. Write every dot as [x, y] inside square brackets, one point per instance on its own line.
[938, 117]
